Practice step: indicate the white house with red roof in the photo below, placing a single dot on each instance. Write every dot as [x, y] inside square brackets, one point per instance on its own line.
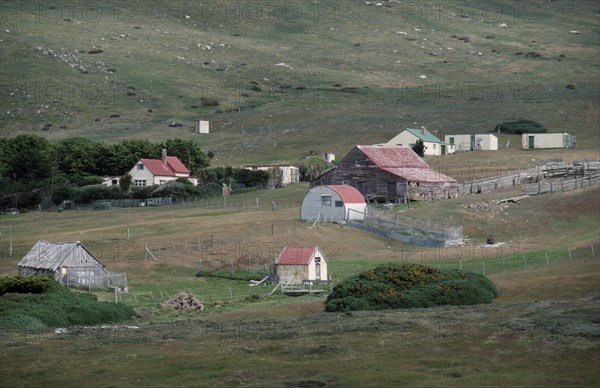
[296, 265]
[148, 172]
[333, 203]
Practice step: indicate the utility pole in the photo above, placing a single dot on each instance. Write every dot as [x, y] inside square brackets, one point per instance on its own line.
[128, 217]
[10, 244]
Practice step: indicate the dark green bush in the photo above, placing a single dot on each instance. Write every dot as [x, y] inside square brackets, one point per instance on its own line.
[521, 126]
[410, 286]
[56, 306]
[34, 284]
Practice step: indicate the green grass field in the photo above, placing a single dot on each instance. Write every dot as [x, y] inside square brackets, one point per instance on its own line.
[546, 309]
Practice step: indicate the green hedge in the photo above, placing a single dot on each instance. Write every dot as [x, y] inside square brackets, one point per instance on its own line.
[54, 306]
[410, 286]
[34, 284]
[521, 126]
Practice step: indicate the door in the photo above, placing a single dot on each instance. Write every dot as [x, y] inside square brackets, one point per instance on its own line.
[443, 149]
[472, 142]
[318, 271]
[362, 187]
[391, 190]
[531, 141]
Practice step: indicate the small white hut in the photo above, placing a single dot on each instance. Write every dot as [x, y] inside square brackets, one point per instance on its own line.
[70, 263]
[297, 265]
[335, 203]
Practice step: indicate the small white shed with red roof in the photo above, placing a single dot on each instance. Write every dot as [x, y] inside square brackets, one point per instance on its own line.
[333, 203]
[297, 265]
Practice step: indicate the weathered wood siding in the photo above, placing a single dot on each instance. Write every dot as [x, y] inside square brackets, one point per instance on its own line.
[292, 274]
[361, 173]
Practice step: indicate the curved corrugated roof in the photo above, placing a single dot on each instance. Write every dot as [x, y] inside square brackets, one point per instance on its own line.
[348, 193]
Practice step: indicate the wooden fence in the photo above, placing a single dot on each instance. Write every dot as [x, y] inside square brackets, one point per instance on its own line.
[561, 185]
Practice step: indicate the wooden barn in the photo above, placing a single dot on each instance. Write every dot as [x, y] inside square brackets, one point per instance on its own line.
[298, 265]
[388, 174]
[70, 263]
[333, 203]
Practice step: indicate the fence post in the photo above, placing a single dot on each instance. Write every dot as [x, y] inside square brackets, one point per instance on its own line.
[570, 256]
[546, 253]
[593, 253]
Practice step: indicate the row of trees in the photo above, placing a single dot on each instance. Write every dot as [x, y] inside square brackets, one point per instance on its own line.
[32, 167]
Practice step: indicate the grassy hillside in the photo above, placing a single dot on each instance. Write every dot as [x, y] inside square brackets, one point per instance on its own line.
[315, 76]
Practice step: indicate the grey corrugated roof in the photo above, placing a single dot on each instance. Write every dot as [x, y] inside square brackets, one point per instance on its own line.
[50, 255]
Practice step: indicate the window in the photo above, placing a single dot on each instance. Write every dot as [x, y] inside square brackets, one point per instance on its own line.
[326, 200]
[339, 203]
[140, 166]
[451, 140]
[434, 146]
[162, 181]
[139, 182]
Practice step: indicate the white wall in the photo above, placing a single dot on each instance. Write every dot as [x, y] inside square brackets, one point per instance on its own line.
[544, 140]
[407, 139]
[462, 143]
[145, 174]
[291, 174]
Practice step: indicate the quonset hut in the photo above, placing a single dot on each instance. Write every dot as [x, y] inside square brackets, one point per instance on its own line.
[334, 203]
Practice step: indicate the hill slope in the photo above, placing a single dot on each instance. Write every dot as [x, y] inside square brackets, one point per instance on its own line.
[289, 77]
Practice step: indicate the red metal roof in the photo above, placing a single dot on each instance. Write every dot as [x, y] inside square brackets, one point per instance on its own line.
[403, 162]
[393, 156]
[175, 164]
[291, 255]
[348, 193]
[157, 167]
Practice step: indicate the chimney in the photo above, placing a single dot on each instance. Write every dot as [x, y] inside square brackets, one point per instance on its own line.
[423, 130]
[164, 156]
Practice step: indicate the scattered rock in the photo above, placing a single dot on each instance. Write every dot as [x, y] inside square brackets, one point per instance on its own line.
[95, 51]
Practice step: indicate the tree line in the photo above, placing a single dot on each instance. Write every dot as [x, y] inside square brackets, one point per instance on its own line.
[32, 167]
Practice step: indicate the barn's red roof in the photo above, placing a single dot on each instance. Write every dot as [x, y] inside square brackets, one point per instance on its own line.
[158, 168]
[403, 162]
[292, 255]
[348, 193]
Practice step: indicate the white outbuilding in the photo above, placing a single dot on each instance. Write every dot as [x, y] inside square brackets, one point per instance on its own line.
[547, 140]
[473, 142]
[297, 265]
[334, 203]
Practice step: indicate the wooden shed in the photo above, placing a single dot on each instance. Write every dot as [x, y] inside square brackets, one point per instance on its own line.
[70, 263]
[298, 265]
[334, 203]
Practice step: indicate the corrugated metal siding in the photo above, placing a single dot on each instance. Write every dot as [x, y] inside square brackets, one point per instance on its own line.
[312, 205]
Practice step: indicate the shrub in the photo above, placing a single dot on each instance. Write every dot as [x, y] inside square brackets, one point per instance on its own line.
[55, 306]
[521, 126]
[571, 86]
[410, 286]
[34, 284]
